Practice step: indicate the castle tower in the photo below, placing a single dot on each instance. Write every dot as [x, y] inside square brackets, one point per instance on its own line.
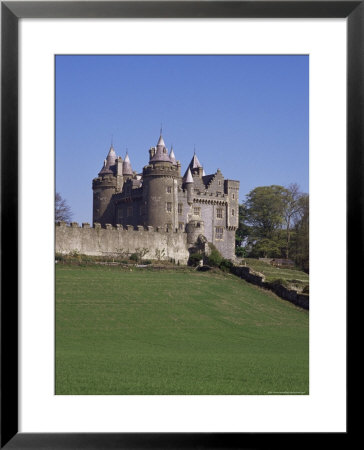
[127, 169]
[195, 167]
[160, 188]
[104, 186]
[188, 181]
[172, 156]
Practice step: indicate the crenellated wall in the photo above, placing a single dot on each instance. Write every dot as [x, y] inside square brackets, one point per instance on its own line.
[111, 240]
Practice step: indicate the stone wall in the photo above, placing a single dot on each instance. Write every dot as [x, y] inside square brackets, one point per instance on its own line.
[111, 240]
[292, 296]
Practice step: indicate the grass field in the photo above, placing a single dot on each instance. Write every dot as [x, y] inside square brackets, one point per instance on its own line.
[175, 332]
[295, 277]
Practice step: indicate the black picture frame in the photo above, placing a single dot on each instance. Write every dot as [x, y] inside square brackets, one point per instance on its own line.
[11, 12]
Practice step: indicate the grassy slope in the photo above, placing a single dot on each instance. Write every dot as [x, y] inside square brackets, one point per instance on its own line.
[274, 273]
[145, 332]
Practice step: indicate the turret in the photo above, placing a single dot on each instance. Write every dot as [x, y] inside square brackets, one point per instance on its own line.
[127, 169]
[104, 186]
[172, 157]
[194, 229]
[188, 181]
[160, 188]
[161, 152]
[119, 174]
[195, 166]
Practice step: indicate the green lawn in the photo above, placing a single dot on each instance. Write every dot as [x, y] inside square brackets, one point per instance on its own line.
[173, 332]
[292, 276]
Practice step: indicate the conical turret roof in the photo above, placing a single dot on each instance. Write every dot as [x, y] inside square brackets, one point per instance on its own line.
[127, 170]
[161, 141]
[109, 162]
[161, 154]
[188, 177]
[172, 157]
[194, 164]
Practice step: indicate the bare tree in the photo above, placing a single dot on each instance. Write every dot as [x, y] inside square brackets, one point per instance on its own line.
[63, 211]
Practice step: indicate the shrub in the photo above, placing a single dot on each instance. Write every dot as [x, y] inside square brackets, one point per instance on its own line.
[203, 268]
[226, 265]
[306, 289]
[241, 252]
[134, 257]
[281, 282]
[194, 259]
[60, 257]
[214, 259]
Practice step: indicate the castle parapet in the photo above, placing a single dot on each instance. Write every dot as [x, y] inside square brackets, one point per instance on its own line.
[111, 240]
[61, 224]
[161, 169]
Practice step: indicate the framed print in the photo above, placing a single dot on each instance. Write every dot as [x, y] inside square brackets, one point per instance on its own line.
[43, 41]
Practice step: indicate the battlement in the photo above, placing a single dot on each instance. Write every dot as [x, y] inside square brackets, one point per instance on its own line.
[161, 198]
[232, 184]
[98, 240]
[161, 169]
[107, 181]
[119, 227]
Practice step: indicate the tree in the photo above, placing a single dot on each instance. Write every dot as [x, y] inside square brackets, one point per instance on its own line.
[241, 233]
[268, 221]
[265, 209]
[292, 209]
[302, 235]
[63, 211]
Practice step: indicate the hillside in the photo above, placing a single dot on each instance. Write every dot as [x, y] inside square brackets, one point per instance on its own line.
[292, 277]
[174, 332]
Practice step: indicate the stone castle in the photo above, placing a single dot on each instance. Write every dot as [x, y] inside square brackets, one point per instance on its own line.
[158, 209]
[159, 197]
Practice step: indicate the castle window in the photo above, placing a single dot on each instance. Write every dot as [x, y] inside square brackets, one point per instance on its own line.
[233, 212]
[179, 208]
[219, 233]
[169, 206]
[219, 213]
[130, 211]
[169, 189]
[219, 182]
[196, 211]
[181, 226]
[233, 196]
[168, 226]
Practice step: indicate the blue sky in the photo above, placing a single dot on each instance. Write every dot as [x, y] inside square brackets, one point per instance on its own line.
[246, 115]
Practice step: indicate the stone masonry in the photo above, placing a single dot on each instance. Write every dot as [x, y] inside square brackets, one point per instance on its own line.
[128, 205]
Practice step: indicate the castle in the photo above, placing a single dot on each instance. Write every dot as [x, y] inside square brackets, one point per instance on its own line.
[195, 203]
[156, 212]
